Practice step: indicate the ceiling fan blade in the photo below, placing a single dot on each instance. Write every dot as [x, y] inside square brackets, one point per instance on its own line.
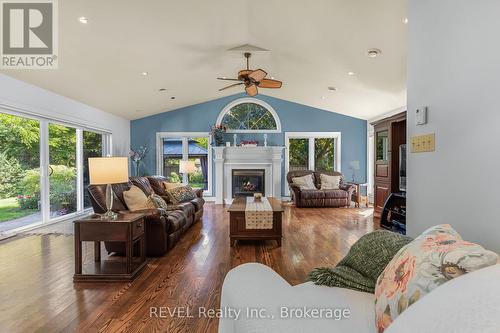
[251, 90]
[230, 86]
[269, 83]
[226, 79]
[257, 75]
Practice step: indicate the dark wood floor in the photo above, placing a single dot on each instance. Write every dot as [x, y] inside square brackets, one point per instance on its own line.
[37, 293]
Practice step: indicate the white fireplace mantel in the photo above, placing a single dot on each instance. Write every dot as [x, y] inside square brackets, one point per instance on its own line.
[228, 158]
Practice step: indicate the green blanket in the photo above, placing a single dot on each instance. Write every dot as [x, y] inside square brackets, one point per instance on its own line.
[363, 264]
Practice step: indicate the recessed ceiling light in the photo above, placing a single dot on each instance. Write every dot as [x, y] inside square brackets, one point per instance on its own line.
[162, 90]
[323, 97]
[351, 73]
[332, 89]
[144, 73]
[405, 20]
[373, 53]
[83, 19]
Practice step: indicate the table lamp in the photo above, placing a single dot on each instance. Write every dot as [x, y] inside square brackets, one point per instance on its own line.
[107, 171]
[187, 167]
[354, 165]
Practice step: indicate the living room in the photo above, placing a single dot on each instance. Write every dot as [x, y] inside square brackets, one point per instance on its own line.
[248, 166]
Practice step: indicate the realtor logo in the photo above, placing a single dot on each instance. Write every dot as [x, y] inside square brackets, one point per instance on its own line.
[29, 34]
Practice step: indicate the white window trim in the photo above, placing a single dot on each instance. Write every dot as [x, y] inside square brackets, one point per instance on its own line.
[184, 136]
[44, 122]
[228, 107]
[311, 136]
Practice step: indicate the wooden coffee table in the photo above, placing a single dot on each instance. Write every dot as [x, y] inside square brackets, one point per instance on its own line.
[237, 223]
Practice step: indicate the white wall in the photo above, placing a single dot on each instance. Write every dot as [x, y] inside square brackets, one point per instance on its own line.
[454, 68]
[27, 97]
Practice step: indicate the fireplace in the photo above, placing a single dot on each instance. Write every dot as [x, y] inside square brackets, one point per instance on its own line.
[246, 182]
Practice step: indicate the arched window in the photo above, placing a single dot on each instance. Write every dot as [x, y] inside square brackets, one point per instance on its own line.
[249, 115]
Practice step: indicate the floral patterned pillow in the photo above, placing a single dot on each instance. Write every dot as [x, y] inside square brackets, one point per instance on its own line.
[435, 257]
[181, 194]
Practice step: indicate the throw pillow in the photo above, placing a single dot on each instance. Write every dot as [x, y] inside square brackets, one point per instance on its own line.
[363, 264]
[135, 199]
[169, 186]
[329, 182]
[181, 194]
[305, 182]
[435, 257]
[158, 201]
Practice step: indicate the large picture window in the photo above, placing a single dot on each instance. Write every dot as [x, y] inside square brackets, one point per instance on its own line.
[318, 151]
[44, 169]
[172, 148]
[249, 115]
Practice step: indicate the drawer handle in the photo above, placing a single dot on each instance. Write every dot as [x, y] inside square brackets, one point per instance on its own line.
[139, 225]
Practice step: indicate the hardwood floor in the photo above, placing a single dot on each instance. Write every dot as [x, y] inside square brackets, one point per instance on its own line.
[37, 293]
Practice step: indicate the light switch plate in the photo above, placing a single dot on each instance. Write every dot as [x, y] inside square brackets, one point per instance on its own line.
[423, 143]
[421, 115]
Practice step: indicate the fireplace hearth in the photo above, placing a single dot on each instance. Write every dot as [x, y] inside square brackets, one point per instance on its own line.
[246, 182]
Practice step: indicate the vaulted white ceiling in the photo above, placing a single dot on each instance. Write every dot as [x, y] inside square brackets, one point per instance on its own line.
[182, 45]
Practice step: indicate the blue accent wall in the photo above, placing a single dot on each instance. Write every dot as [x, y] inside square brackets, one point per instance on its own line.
[294, 117]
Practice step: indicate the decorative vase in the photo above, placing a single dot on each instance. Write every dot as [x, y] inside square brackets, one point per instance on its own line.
[137, 168]
[219, 139]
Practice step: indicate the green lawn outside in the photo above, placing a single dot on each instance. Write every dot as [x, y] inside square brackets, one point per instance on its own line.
[9, 210]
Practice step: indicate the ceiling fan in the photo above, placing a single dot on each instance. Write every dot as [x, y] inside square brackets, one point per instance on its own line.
[252, 79]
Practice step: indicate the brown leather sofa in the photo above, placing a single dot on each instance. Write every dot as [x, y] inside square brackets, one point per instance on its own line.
[163, 229]
[318, 197]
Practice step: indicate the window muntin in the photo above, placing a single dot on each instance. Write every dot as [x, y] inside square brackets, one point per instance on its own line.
[249, 115]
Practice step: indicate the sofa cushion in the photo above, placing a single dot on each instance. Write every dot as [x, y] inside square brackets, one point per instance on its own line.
[186, 207]
[305, 182]
[312, 194]
[181, 194]
[198, 203]
[329, 182]
[157, 184]
[435, 257]
[158, 201]
[136, 199]
[468, 304]
[176, 220]
[335, 194]
[143, 184]
[169, 186]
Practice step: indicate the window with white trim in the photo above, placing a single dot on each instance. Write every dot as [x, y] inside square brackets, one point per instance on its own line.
[249, 115]
[318, 151]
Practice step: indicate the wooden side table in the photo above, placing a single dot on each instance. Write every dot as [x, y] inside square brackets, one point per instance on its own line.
[357, 194]
[127, 228]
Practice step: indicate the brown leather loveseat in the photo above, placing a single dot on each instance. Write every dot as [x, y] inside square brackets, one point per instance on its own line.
[163, 229]
[317, 197]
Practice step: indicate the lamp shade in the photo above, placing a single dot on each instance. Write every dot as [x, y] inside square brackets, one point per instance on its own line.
[108, 170]
[187, 166]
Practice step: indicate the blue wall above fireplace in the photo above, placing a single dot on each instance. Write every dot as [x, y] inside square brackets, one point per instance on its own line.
[294, 117]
